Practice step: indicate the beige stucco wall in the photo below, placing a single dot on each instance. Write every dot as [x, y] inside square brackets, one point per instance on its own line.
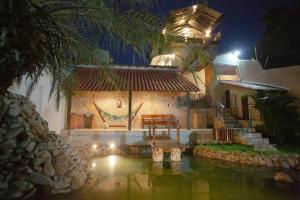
[153, 103]
[236, 94]
[200, 79]
[288, 77]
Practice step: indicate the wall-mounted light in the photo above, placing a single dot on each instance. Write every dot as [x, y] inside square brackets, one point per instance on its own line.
[119, 103]
[164, 31]
[95, 146]
[237, 53]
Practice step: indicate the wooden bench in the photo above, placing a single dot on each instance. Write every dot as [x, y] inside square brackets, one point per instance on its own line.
[166, 121]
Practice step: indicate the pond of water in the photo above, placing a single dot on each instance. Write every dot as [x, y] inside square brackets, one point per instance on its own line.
[121, 178]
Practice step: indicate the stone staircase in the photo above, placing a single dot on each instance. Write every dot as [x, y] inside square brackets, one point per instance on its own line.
[250, 138]
[246, 136]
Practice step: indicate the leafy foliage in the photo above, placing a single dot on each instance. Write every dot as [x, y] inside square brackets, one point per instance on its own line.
[39, 36]
[279, 111]
[279, 46]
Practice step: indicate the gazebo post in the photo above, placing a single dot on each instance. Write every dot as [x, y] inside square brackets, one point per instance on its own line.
[188, 110]
[129, 109]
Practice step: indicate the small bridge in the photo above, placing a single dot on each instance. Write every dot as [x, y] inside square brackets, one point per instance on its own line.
[159, 139]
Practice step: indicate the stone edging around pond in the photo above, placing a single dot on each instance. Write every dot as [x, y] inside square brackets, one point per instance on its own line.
[275, 161]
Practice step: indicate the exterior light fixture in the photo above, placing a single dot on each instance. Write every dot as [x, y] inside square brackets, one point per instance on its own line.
[94, 165]
[164, 31]
[195, 8]
[237, 53]
[119, 103]
[207, 33]
[94, 147]
[112, 146]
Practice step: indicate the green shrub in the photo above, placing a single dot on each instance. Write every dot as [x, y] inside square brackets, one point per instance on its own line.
[280, 114]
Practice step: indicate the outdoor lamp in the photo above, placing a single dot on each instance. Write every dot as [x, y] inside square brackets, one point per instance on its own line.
[195, 8]
[207, 33]
[95, 146]
[237, 53]
[119, 104]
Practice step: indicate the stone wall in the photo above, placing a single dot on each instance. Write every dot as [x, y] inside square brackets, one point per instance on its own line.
[31, 155]
[266, 160]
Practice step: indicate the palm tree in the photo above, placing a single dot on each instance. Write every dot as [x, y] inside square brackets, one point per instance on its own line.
[50, 36]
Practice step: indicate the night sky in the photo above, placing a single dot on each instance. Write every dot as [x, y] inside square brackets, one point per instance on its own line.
[241, 27]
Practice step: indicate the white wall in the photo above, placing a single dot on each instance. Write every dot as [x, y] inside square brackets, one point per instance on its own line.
[45, 106]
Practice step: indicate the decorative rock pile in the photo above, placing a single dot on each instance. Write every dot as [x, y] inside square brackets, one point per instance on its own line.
[267, 160]
[30, 154]
[175, 154]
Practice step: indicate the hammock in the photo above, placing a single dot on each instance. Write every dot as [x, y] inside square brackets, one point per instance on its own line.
[119, 118]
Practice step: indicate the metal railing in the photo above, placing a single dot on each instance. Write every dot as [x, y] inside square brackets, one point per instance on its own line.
[220, 111]
[195, 100]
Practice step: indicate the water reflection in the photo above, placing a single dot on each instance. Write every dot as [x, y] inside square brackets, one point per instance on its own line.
[112, 161]
[115, 177]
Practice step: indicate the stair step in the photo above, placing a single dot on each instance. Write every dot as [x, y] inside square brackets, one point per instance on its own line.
[232, 125]
[251, 135]
[248, 130]
[231, 121]
[255, 141]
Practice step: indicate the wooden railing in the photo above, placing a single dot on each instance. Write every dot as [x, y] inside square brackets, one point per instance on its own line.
[224, 135]
[220, 111]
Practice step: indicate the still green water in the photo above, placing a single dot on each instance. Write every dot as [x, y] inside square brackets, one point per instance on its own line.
[118, 178]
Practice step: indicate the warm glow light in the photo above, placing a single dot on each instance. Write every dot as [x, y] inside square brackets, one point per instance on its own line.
[195, 8]
[207, 33]
[95, 146]
[94, 165]
[112, 146]
[186, 30]
[182, 21]
[186, 33]
[164, 31]
[172, 55]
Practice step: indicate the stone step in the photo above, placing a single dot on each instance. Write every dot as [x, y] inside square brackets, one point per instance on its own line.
[232, 125]
[247, 130]
[251, 135]
[228, 121]
[256, 141]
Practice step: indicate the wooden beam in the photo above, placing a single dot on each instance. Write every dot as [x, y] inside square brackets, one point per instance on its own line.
[188, 111]
[129, 108]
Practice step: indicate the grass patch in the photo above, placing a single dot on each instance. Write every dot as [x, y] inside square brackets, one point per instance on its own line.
[229, 147]
[289, 149]
[282, 150]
